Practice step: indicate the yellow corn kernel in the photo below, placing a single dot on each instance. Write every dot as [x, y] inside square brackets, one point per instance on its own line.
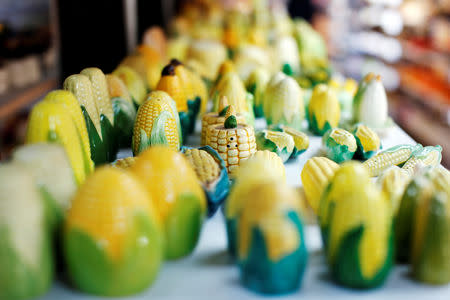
[205, 166]
[171, 84]
[370, 141]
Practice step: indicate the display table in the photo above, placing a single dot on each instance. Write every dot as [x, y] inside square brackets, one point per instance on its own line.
[209, 272]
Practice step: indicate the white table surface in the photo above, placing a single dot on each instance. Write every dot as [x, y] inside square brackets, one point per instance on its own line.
[208, 273]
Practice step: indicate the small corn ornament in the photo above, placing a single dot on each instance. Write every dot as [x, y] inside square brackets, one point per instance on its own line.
[393, 183]
[256, 85]
[429, 156]
[125, 163]
[214, 118]
[262, 163]
[51, 123]
[199, 89]
[390, 157]
[315, 176]
[100, 92]
[117, 88]
[156, 122]
[280, 143]
[133, 82]
[367, 140]
[184, 77]
[212, 173]
[70, 103]
[324, 111]
[234, 142]
[301, 140]
[339, 144]
[172, 85]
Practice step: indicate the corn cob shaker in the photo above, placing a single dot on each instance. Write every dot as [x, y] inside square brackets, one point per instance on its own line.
[429, 156]
[234, 142]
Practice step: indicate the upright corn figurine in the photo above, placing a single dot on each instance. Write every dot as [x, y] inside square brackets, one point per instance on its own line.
[324, 112]
[117, 88]
[429, 156]
[256, 85]
[340, 145]
[390, 157]
[234, 142]
[156, 123]
[133, 82]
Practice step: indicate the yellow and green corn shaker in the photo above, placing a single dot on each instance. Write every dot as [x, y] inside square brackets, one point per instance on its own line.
[283, 102]
[133, 82]
[278, 142]
[393, 156]
[393, 183]
[117, 88]
[177, 196]
[301, 140]
[324, 111]
[428, 156]
[272, 252]
[113, 241]
[50, 167]
[52, 123]
[423, 211]
[367, 140]
[339, 144]
[356, 224]
[262, 166]
[315, 176]
[256, 85]
[25, 245]
[157, 123]
[234, 142]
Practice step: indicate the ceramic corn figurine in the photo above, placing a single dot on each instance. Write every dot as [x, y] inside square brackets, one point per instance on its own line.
[315, 176]
[100, 129]
[272, 253]
[234, 142]
[209, 55]
[301, 140]
[177, 196]
[429, 156]
[256, 85]
[262, 166]
[51, 170]
[157, 123]
[124, 117]
[367, 140]
[110, 217]
[214, 118]
[125, 163]
[357, 228]
[70, 103]
[370, 103]
[393, 156]
[283, 103]
[212, 173]
[117, 88]
[51, 123]
[280, 143]
[200, 90]
[324, 111]
[133, 82]
[25, 244]
[287, 53]
[393, 183]
[339, 144]
[232, 87]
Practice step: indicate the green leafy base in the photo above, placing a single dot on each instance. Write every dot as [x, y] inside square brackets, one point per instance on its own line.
[314, 127]
[346, 268]
[124, 116]
[260, 274]
[92, 271]
[231, 226]
[296, 153]
[336, 152]
[183, 226]
[19, 280]
[99, 153]
[360, 153]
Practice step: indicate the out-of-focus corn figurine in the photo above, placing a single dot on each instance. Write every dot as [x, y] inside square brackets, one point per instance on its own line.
[110, 217]
[234, 142]
[429, 156]
[287, 53]
[25, 243]
[278, 142]
[50, 167]
[301, 140]
[393, 156]
[324, 111]
[256, 85]
[423, 225]
[125, 163]
[356, 223]
[370, 103]
[262, 166]
[315, 176]
[177, 196]
[157, 123]
[339, 144]
[208, 55]
[51, 123]
[367, 140]
[272, 252]
[283, 102]
[133, 82]
[212, 173]
[393, 183]
[117, 88]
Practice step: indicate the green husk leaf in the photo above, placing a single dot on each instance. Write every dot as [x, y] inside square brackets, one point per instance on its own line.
[98, 151]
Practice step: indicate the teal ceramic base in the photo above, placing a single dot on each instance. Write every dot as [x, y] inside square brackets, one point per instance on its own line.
[231, 227]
